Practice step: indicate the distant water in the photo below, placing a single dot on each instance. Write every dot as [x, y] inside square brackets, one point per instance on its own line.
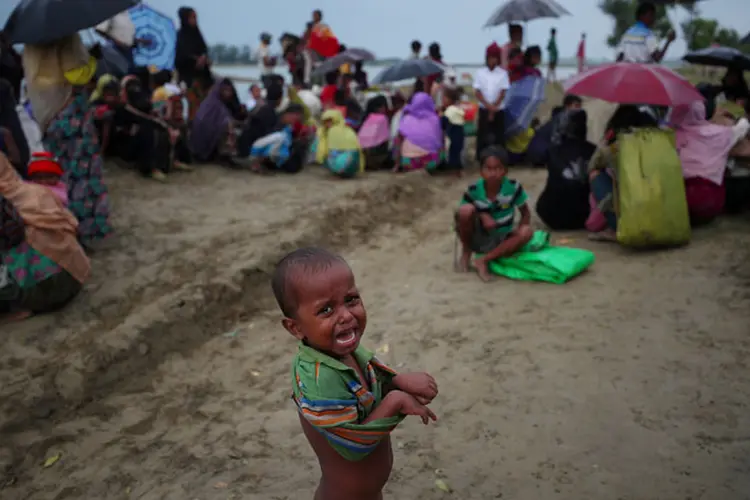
[247, 73]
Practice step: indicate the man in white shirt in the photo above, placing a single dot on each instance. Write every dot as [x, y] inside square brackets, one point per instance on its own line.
[490, 85]
[639, 44]
[263, 54]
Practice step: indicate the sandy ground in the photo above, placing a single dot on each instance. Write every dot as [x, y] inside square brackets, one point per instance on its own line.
[168, 378]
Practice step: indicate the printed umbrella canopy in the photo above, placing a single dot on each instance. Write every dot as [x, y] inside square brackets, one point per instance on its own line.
[719, 56]
[159, 36]
[633, 83]
[42, 21]
[525, 10]
[410, 68]
[521, 102]
[346, 57]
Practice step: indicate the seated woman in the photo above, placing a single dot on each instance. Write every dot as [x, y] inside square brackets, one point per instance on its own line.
[564, 202]
[212, 133]
[48, 267]
[106, 100]
[419, 143]
[374, 135]
[139, 136]
[602, 171]
[279, 150]
[704, 149]
[338, 147]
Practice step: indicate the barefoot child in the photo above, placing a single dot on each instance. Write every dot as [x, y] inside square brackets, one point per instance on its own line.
[484, 220]
[348, 401]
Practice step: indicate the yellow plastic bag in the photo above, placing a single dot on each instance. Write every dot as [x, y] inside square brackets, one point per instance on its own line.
[651, 204]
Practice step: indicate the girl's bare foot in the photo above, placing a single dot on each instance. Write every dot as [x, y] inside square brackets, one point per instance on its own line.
[606, 235]
[482, 270]
[15, 317]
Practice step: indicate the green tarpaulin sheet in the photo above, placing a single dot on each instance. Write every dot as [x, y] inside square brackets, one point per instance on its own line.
[538, 261]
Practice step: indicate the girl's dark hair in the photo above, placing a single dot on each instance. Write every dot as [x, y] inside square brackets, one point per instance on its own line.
[374, 104]
[453, 94]
[628, 116]
[162, 77]
[531, 52]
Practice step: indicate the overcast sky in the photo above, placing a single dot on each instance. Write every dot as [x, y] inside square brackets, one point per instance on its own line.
[388, 26]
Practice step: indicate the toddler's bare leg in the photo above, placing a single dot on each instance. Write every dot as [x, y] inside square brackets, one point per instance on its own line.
[465, 227]
[513, 243]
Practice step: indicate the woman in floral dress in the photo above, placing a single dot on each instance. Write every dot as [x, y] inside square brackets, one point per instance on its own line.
[56, 76]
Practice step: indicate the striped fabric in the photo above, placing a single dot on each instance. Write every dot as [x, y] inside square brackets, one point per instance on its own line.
[330, 396]
[502, 207]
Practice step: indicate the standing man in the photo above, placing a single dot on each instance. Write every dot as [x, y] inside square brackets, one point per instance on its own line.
[639, 44]
[552, 56]
[581, 53]
[515, 33]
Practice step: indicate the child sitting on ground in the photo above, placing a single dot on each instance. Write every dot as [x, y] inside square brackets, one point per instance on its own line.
[46, 171]
[348, 401]
[484, 220]
[453, 126]
[276, 150]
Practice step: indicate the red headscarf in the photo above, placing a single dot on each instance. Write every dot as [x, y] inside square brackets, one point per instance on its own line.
[43, 162]
[495, 51]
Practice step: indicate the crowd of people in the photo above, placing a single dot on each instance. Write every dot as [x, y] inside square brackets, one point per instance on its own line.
[163, 122]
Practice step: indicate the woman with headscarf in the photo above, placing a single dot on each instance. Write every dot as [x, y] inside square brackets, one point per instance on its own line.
[212, 135]
[191, 53]
[338, 147]
[375, 134]
[602, 221]
[490, 85]
[704, 150]
[48, 268]
[420, 143]
[564, 202]
[14, 143]
[56, 76]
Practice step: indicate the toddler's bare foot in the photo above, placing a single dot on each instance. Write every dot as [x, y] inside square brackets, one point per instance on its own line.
[464, 262]
[482, 270]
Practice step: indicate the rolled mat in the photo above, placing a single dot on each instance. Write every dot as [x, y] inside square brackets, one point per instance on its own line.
[538, 261]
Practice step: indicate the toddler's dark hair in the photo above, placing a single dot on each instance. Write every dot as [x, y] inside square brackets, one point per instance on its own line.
[309, 260]
[493, 152]
[454, 95]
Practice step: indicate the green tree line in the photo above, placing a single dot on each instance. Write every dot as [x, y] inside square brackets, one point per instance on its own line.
[698, 31]
[223, 53]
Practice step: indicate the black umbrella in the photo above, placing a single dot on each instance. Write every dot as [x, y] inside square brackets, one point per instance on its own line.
[41, 21]
[719, 56]
[111, 61]
[346, 57]
[746, 40]
[410, 68]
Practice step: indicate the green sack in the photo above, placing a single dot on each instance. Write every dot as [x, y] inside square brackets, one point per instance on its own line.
[651, 205]
[538, 261]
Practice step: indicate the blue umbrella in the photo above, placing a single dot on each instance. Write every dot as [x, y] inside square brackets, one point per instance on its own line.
[521, 102]
[411, 68]
[160, 36]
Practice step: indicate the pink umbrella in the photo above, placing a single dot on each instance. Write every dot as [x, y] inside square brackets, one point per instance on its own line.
[632, 83]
